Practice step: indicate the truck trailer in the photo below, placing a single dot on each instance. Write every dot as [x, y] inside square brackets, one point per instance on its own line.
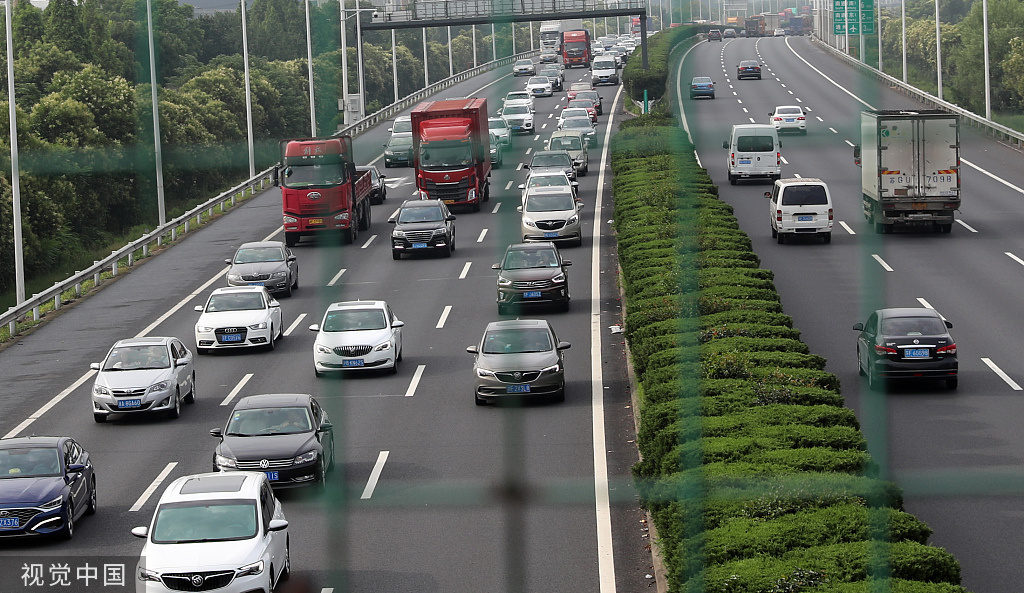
[452, 151]
[755, 26]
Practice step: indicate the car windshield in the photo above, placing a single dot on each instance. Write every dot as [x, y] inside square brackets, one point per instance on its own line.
[588, 95]
[252, 301]
[539, 80]
[701, 80]
[132, 358]
[748, 64]
[516, 110]
[496, 124]
[524, 63]
[548, 181]
[400, 142]
[913, 326]
[29, 462]
[517, 341]
[788, 111]
[581, 103]
[574, 112]
[347, 320]
[533, 258]
[804, 195]
[604, 64]
[577, 122]
[205, 521]
[523, 96]
[567, 143]
[402, 125]
[445, 154]
[550, 203]
[252, 255]
[551, 160]
[421, 214]
[755, 144]
[269, 422]
[306, 176]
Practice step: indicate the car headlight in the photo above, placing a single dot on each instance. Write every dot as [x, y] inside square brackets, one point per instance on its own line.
[288, 219]
[203, 329]
[342, 216]
[148, 575]
[159, 386]
[559, 278]
[306, 457]
[494, 150]
[323, 349]
[529, 223]
[389, 153]
[250, 569]
[53, 504]
[572, 219]
[382, 347]
[441, 231]
[553, 368]
[225, 462]
[279, 274]
[398, 234]
[234, 277]
[485, 374]
[260, 325]
[503, 281]
[100, 390]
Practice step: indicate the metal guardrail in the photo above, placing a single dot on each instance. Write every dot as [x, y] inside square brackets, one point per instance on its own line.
[443, 9]
[169, 232]
[1003, 133]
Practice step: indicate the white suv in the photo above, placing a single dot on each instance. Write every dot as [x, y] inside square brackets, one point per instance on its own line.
[223, 531]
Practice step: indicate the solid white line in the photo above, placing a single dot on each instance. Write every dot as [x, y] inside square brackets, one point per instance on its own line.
[337, 277]
[966, 226]
[180, 304]
[368, 241]
[234, 392]
[480, 239]
[411, 391]
[847, 227]
[46, 407]
[152, 487]
[928, 305]
[444, 317]
[996, 177]
[995, 369]
[1015, 258]
[496, 206]
[823, 75]
[378, 467]
[509, 184]
[465, 270]
[294, 324]
[276, 231]
[882, 262]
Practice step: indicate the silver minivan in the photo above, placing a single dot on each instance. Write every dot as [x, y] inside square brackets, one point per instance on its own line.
[800, 206]
[754, 152]
[603, 71]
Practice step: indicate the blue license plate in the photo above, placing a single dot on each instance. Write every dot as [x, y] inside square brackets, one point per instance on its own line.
[231, 338]
[744, 161]
[10, 522]
[272, 476]
[419, 245]
[531, 294]
[789, 121]
[355, 362]
[550, 235]
[915, 353]
[805, 218]
[517, 389]
[517, 127]
[257, 284]
[129, 403]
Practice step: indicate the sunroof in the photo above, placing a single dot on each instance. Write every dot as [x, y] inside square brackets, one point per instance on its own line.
[224, 483]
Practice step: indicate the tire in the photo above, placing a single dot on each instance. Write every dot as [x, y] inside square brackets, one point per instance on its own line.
[952, 383]
[69, 529]
[396, 254]
[565, 306]
[191, 397]
[453, 240]
[291, 239]
[860, 369]
[287, 570]
[93, 504]
[879, 228]
[288, 289]
[560, 396]
[317, 373]
[175, 412]
[478, 400]
[351, 235]
[826, 238]
[295, 283]
[387, 165]
[874, 381]
[384, 194]
[202, 351]
[732, 179]
[945, 228]
[394, 368]
[270, 342]
[712, 96]
[476, 206]
[400, 353]
[775, 233]
[781, 238]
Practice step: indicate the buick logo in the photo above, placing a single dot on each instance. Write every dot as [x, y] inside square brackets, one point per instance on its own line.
[264, 464]
[197, 580]
[313, 195]
[4, 513]
[447, 177]
[517, 375]
[916, 341]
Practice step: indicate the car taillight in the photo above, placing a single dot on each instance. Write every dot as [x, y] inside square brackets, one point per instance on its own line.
[951, 349]
[883, 350]
[695, 87]
[830, 214]
[778, 215]
[801, 118]
[778, 119]
[732, 158]
[778, 159]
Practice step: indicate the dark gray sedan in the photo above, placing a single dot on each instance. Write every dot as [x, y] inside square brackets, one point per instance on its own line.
[518, 358]
[264, 263]
[906, 343]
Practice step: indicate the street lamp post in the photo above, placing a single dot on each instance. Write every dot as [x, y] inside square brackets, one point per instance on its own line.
[19, 258]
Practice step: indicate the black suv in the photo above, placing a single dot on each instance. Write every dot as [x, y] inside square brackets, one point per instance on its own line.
[379, 193]
[532, 273]
[422, 225]
[909, 343]
[714, 35]
[748, 69]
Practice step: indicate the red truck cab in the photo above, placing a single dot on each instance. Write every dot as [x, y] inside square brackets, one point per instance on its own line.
[576, 48]
[321, 191]
[452, 151]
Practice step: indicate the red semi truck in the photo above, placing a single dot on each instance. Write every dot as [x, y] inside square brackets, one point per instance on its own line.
[321, 191]
[576, 48]
[452, 151]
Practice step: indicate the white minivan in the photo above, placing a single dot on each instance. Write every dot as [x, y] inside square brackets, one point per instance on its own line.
[754, 152]
[800, 206]
[603, 71]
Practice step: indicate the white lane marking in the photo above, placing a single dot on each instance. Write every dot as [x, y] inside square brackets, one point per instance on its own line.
[745, 110]
[740, 101]
[550, 115]
[1015, 258]
[782, 84]
[411, 391]
[735, 94]
[337, 276]
[519, 167]
[752, 120]
[818, 118]
[378, 467]
[790, 92]
[542, 126]
[46, 407]
[992, 175]
[847, 227]
[509, 184]
[847, 141]
[537, 137]
[153, 486]
[995, 369]
[294, 324]
[928, 305]
[881, 261]
[444, 317]
[368, 241]
[965, 225]
[180, 304]
[465, 270]
[496, 206]
[784, 161]
[234, 392]
[797, 175]
[799, 100]
[529, 149]
[834, 131]
[483, 234]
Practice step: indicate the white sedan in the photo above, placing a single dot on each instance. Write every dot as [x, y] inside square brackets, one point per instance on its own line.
[238, 317]
[571, 112]
[357, 335]
[540, 86]
[789, 117]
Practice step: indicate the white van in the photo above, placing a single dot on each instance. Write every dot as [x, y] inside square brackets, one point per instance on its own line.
[603, 70]
[800, 206]
[754, 151]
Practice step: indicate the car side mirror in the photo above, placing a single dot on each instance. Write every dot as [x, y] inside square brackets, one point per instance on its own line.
[382, 176]
[274, 303]
[521, 186]
[519, 209]
[325, 426]
[579, 205]
[217, 432]
[949, 324]
[391, 130]
[526, 165]
[471, 349]
[450, 217]
[392, 220]
[564, 345]
[292, 258]
[858, 327]
[397, 323]
[566, 263]
[315, 327]
[575, 184]
[725, 144]
[75, 468]
[227, 261]
[495, 266]
[94, 366]
[180, 362]
[199, 308]
[277, 525]
[142, 532]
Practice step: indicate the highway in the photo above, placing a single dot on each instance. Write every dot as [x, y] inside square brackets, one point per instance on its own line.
[957, 453]
[432, 493]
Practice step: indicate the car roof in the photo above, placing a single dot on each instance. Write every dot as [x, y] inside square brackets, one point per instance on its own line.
[146, 341]
[517, 323]
[367, 167]
[531, 246]
[273, 400]
[701, 78]
[800, 181]
[549, 190]
[408, 117]
[777, 107]
[213, 486]
[238, 289]
[258, 244]
[32, 441]
[550, 152]
[398, 135]
[342, 305]
[908, 312]
[420, 203]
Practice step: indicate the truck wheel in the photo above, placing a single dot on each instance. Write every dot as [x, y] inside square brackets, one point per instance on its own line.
[945, 228]
[476, 206]
[291, 239]
[732, 179]
[781, 238]
[348, 237]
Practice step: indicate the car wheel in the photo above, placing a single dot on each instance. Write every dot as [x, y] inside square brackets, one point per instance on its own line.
[476, 206]
[191, 397]
[560, 396]
[287, 570]
[270, 341]
[317, 373]
[383, 194]
[952, 383]
[775, 233]
[565, 306]
[295, 283]
[732, 179]
[387, 164]
[712, 95]
[396, 254]
[502, 309]
[100, 418]
[479, 400]
[202, 351]
[826, 238]
[288, 288]
[879, 228]
[91, 509]
[874, 381]
[453, 240]
[69, 528]
[175, 411]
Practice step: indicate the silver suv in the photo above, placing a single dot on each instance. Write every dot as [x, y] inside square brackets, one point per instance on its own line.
[520, 357]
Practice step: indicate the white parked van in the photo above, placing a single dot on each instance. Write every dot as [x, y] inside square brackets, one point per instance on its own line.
[603, 70]
[800, 206]
[754, 152]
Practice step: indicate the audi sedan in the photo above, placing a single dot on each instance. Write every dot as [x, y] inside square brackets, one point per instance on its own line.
[143, 375]
[46, 485]
[540, 86]
[748, 69]
[238, 317]
[532, 274]
[517, 359]
[357, 335]
[906, 343]
[264, 263]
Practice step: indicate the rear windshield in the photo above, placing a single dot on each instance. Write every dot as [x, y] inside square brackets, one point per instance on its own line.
[913, 326]
[805, 195]
[755, 144]
[604, 64]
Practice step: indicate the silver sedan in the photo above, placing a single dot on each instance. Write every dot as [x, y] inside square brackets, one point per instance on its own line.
[518, 358]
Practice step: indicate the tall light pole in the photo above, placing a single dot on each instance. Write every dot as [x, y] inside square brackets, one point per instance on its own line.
[879, 7]
[988, 81]
[426, 59]
[394, 63]
[512, 26]
[474, 47]
[157, 152]
[451, 64]
[344, 64]
[248, 93]
[938, 49]
[309, 62]
[903, 11]
[494, 44]
[359, 61]
[12, 110]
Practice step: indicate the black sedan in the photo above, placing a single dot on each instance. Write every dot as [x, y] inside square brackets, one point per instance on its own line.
[379, 193]
[907, 343]
[289, 437]
[748, 69]
[46, 484]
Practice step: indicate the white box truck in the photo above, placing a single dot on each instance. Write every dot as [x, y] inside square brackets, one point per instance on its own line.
[910, 168]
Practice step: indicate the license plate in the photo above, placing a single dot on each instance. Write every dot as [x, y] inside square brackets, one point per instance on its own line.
[805, 218]
[448, 201]
[129, 403]
[316, 221]
[531, 294]
[10, 522]
[919, 206]
[915, 353]
[517, 389]
[517, 127]
[419, 245]
[272, 476]
[744, 161]
[789, 121]
[550, 235]
[257, 284]
[231, 338]
[355, 362]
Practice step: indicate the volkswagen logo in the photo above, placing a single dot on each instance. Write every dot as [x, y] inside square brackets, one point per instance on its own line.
[916, 341]
[313, 195]
[447, 177]
[517, 376]
[264, 464]
[197, 580]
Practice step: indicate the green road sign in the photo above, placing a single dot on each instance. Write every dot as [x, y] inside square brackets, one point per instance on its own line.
[861, 15]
